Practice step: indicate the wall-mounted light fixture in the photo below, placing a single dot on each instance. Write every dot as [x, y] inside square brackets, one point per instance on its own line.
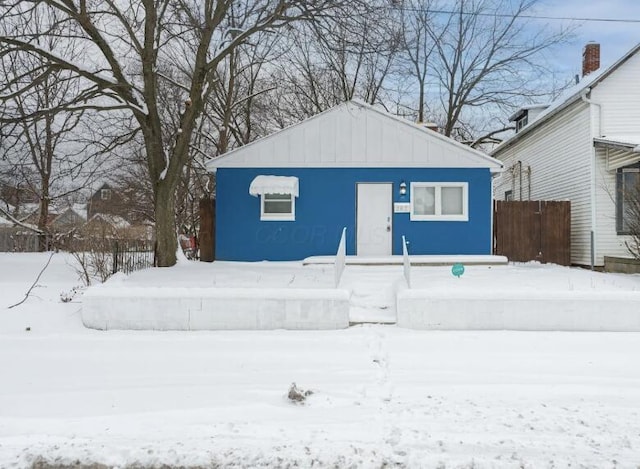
[403, 188]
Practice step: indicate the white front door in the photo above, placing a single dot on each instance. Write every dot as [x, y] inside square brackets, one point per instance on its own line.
[374, 217]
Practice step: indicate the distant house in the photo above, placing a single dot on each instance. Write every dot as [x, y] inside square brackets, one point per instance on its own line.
[15, 195]
[115, 212]
[16, 237]
[69, 218]
[106, 200]
[583, 147]
[289, 195]
[106, 226]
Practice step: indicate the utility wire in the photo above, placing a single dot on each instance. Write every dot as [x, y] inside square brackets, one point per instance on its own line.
[506, 15]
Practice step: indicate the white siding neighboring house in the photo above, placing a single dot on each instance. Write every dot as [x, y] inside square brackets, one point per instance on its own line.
[575, 149]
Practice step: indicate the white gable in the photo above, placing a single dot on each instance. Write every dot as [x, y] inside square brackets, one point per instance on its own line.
[355, 134]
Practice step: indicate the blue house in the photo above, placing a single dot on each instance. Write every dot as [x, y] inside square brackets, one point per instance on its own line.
[288, 196]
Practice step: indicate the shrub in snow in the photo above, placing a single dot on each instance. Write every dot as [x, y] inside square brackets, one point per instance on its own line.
[297, 395]
[67, 296]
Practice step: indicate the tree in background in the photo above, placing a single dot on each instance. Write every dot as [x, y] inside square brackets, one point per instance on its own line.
[417, 46]
[164, 85]
[125, 45]
[44, 155]
[328, 62]
[485, 55]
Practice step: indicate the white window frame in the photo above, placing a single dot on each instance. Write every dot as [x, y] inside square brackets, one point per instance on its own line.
[522, 122]
[277, 216]
[438, 216]
[105, 194]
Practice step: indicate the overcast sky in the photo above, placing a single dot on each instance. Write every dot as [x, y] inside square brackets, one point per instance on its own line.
[615, 38]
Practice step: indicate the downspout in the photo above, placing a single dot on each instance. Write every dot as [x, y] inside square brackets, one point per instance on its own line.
[593, 132]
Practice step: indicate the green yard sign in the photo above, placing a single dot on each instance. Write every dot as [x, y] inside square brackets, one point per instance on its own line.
[457, 270]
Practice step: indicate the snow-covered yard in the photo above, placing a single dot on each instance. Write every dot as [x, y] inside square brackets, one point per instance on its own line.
[382, 395]
[290, 295]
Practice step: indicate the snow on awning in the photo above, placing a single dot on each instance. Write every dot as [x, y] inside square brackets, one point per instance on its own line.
[620, 142]
[621, 150]
[274, 185]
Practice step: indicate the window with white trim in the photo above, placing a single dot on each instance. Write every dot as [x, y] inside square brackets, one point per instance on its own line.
[439, 201]
[277, 196]
[277, 207]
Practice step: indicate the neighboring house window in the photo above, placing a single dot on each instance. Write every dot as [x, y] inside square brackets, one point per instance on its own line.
[443, 201]
[105, 194]
[508, 195]
[281, 207]
[627, 198]
[520, 123]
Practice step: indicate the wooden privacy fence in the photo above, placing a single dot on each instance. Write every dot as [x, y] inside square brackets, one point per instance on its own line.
[533, 231]
[18, 240]
[207, 233]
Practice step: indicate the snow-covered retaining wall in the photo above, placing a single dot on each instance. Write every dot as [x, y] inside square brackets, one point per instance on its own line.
[529, 311]
[214, 308]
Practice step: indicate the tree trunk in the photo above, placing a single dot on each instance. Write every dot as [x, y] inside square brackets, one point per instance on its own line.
[43, 218]
[164, 208]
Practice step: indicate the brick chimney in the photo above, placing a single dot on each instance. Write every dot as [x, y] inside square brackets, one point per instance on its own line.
[590, 58]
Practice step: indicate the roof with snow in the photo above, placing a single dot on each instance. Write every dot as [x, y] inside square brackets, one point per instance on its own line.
[355, 134]
[568, 97]
[622, 142]
[520, 112]
[115, 221]
[80, 209]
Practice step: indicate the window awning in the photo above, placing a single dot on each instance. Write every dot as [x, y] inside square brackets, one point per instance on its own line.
[621, 150]
[274, 185]
[620, 142]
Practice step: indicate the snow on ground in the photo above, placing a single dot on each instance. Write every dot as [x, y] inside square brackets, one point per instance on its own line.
[237, 275]
[373, 289]
[529, 277]
[382, 396]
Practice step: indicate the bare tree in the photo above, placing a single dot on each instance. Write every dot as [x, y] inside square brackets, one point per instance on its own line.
[125, 44]
[46, 157]
[484, 54]
[417, 46]
[327, 63]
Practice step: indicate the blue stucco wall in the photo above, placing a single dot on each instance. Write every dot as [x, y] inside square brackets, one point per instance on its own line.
[327, 203]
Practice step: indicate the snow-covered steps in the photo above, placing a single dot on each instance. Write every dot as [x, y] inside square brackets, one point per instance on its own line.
[373, 293]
